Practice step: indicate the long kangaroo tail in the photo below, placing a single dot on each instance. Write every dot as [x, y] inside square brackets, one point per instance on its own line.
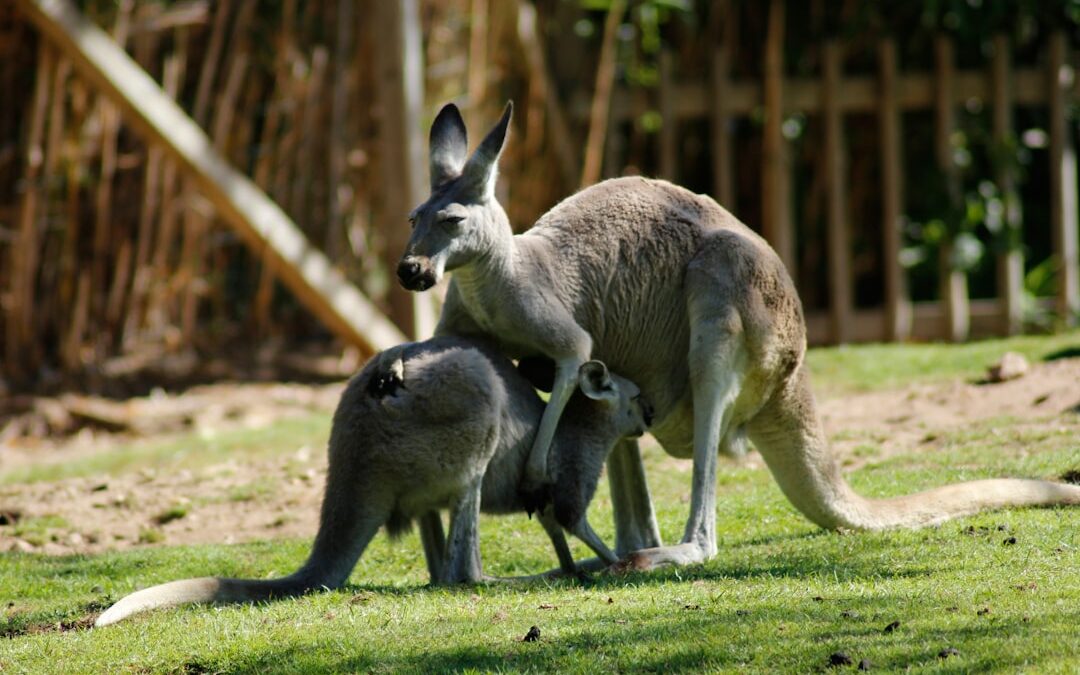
[788, 434]
[348, 523]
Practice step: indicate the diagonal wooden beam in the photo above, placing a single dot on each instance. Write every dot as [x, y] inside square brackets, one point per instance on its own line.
[341, 307]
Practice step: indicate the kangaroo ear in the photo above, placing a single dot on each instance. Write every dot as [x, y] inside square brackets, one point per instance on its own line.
[482, 168]
[595, 381]
[449, 145]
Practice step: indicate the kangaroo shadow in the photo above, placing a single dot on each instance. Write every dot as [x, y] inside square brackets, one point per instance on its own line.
[649, 642]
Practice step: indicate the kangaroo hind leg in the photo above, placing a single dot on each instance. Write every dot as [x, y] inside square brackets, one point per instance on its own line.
[718, 363]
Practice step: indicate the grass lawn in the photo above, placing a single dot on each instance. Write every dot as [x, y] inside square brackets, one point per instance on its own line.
[1001, 589]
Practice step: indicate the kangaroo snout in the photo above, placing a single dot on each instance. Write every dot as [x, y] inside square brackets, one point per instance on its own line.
[415, 275]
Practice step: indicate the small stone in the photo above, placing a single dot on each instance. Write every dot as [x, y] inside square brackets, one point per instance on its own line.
[839, 659]
[1010, 367]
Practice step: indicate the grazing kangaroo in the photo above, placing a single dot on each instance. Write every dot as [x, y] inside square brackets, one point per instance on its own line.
[672, 291]
[446, 423]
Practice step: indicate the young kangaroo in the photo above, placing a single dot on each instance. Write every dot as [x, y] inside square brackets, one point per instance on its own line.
[671, 290]
[446, 423]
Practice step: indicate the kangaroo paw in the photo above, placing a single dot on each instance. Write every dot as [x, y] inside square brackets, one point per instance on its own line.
[535, 498]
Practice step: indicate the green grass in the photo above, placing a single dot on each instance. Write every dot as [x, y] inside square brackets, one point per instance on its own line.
[881, 366]
[780, 596]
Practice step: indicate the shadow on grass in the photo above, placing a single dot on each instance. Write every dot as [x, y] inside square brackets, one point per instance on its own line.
[690, 642]
[1063, 353]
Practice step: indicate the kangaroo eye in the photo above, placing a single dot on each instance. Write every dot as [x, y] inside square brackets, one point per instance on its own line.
[412, 222]
[452, 220]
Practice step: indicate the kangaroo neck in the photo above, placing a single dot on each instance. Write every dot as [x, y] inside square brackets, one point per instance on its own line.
[494, 267]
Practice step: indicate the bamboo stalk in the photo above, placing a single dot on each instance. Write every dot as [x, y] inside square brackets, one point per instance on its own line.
[20, 317]
[601, 102]
[476, 77]
[195, 222]
[307, 125]
[71, 333]
[210, 63]
[281, 157]
[160, 293]
[103, 200]
[340, 194]
[560, 136]
[49, 308]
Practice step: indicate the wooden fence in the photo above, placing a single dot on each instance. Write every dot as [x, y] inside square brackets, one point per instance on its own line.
[721, 100]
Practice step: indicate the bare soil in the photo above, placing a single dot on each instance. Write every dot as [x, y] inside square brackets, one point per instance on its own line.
[279, 497]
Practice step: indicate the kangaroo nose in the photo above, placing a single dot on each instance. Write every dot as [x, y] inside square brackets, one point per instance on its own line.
[407, 270]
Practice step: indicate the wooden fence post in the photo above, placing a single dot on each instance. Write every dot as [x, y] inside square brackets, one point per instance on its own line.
[839, 239]
[1010, 263]
[954, 290]
[776, 182]
[897, 303]
[723, 161]
[1063, 188]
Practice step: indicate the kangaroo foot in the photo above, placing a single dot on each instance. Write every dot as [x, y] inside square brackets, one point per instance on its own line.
[650, 558]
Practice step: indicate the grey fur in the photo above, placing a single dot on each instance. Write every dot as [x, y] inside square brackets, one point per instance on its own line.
[442, 424]
[670, 289]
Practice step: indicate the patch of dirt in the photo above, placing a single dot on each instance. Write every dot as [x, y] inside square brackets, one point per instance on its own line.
[900, 420]
[260, 499]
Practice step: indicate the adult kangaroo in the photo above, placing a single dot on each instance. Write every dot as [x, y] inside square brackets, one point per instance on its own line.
[671, 290]
[442, 424]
